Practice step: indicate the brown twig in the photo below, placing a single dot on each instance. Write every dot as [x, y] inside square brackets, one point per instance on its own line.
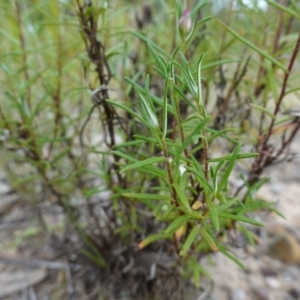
[264, 159]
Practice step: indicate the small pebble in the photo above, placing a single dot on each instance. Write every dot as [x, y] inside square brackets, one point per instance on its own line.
[273, 283]
[251, 250]
[268, 272]
[284, 247]
[260, 293]
[291, 273]
[276, 188]
[238, 294]
[295, 294]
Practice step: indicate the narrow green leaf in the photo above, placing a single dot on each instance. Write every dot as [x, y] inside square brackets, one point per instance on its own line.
[271, 208]
[94, 258]
[198, 269]
[161, 103]
[128, 144]
[182, 197]
[214, 217]
[189, 139]
[220, 164]
[271, 78]
[225, 136]
[221, 198]
[159, 208]
[150, 113]
[230, 256]
[219, 133]
[122, 106]
[124, 155]
[150, 169]
[208, 239]
[195, 29]
[292, 90]
[147, 196]
[153, 238]
[240, 156]
[169, 214]
[196, 8]
[147, 41]
[249, 235]
[23, 180]
[219, 63]
[225, 206]
[213, 176]
[240, 218]
[60, 155]
[155, 171]
[229, 168]
[253, 47]
[199, 90]
[286, 9]
[143, 163]
[196, 215]
[172, 65]
[178, 222]
[160, 62]
[263, 110]
[189, 80]
[200, 177]
[189, 241]
[180, 92]
[147, 91]
[165, 107]
[10, 37]
[145, 138]
[196, 274]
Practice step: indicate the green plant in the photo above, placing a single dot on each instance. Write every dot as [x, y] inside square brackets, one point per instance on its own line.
[200, 103]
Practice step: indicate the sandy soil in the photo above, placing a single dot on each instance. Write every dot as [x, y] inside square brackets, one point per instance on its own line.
[272, 268]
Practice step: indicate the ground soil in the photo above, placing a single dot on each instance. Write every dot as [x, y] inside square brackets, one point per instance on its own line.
[39, 265]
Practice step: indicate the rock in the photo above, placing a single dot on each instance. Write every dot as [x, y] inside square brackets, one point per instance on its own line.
[291, 274]
[260, 293]
[268, 272]
[251, 250]
[295, 294]
[12, 282]
[276, 188]
[238, 294]
[284, 247]
[273, 283]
